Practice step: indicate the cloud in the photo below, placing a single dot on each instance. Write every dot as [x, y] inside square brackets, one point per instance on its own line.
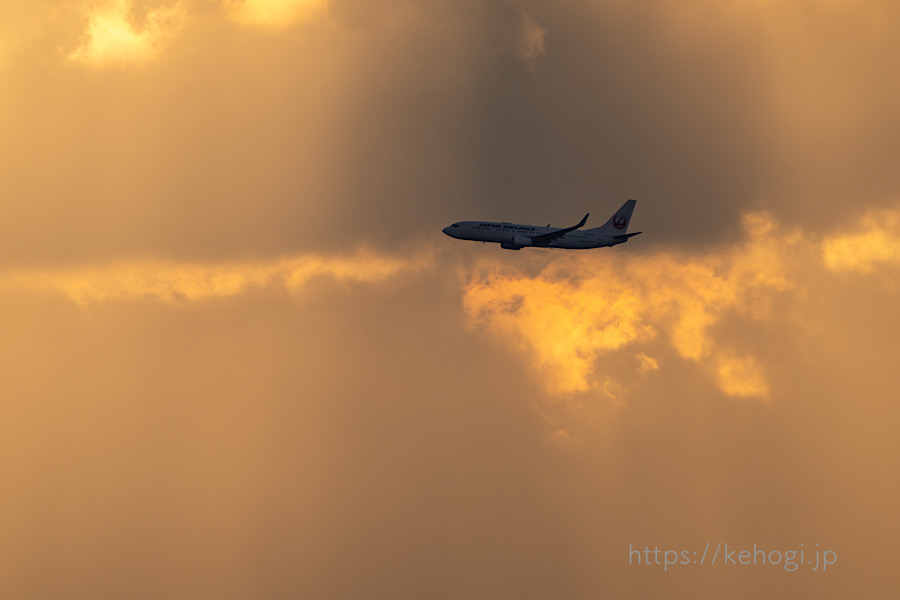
[125, 33]
[174, 282]
[875, 241]
[257, 446]
[582, 315]
[115, 39]
[531, 38]
[422, 103]
[274, 13]
[253, 411]
[580, 310]
[741, 377]
[647, 363]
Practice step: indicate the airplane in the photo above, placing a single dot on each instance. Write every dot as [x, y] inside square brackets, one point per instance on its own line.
[515, 237]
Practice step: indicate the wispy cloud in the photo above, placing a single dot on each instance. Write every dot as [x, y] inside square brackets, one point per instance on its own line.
[874, 240]
[174, 282]
[531, 38]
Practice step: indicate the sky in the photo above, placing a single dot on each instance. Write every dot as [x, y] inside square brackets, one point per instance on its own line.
[239, 359]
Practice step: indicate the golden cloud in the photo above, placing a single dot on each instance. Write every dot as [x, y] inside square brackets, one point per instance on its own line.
[582, 308]
[174, 282]
[115, 39]
[741, 377]
[876, 240]
[274, 13]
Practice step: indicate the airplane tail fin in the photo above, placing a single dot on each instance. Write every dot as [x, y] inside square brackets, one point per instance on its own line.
[618, 223]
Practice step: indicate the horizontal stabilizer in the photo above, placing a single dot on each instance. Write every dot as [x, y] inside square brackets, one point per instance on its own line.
[624, 237]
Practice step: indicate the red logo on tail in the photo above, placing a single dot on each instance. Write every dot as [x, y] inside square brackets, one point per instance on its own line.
[620, 222]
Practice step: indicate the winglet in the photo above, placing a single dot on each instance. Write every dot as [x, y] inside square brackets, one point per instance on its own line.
[572, 228]
[546, 238]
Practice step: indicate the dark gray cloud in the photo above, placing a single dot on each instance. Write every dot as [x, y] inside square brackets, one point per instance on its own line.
[381, 121]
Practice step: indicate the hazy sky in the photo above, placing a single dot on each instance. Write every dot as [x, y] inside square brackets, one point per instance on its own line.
[239, 359]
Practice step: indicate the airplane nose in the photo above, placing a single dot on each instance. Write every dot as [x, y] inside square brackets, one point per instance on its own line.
[446, 230]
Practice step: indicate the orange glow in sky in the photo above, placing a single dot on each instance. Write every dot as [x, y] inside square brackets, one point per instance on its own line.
[239, 359]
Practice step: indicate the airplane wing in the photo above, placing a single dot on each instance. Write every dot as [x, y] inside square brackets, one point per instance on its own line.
[546, 238]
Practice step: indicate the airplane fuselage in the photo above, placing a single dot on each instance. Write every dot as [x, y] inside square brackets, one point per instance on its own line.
[513, 235]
